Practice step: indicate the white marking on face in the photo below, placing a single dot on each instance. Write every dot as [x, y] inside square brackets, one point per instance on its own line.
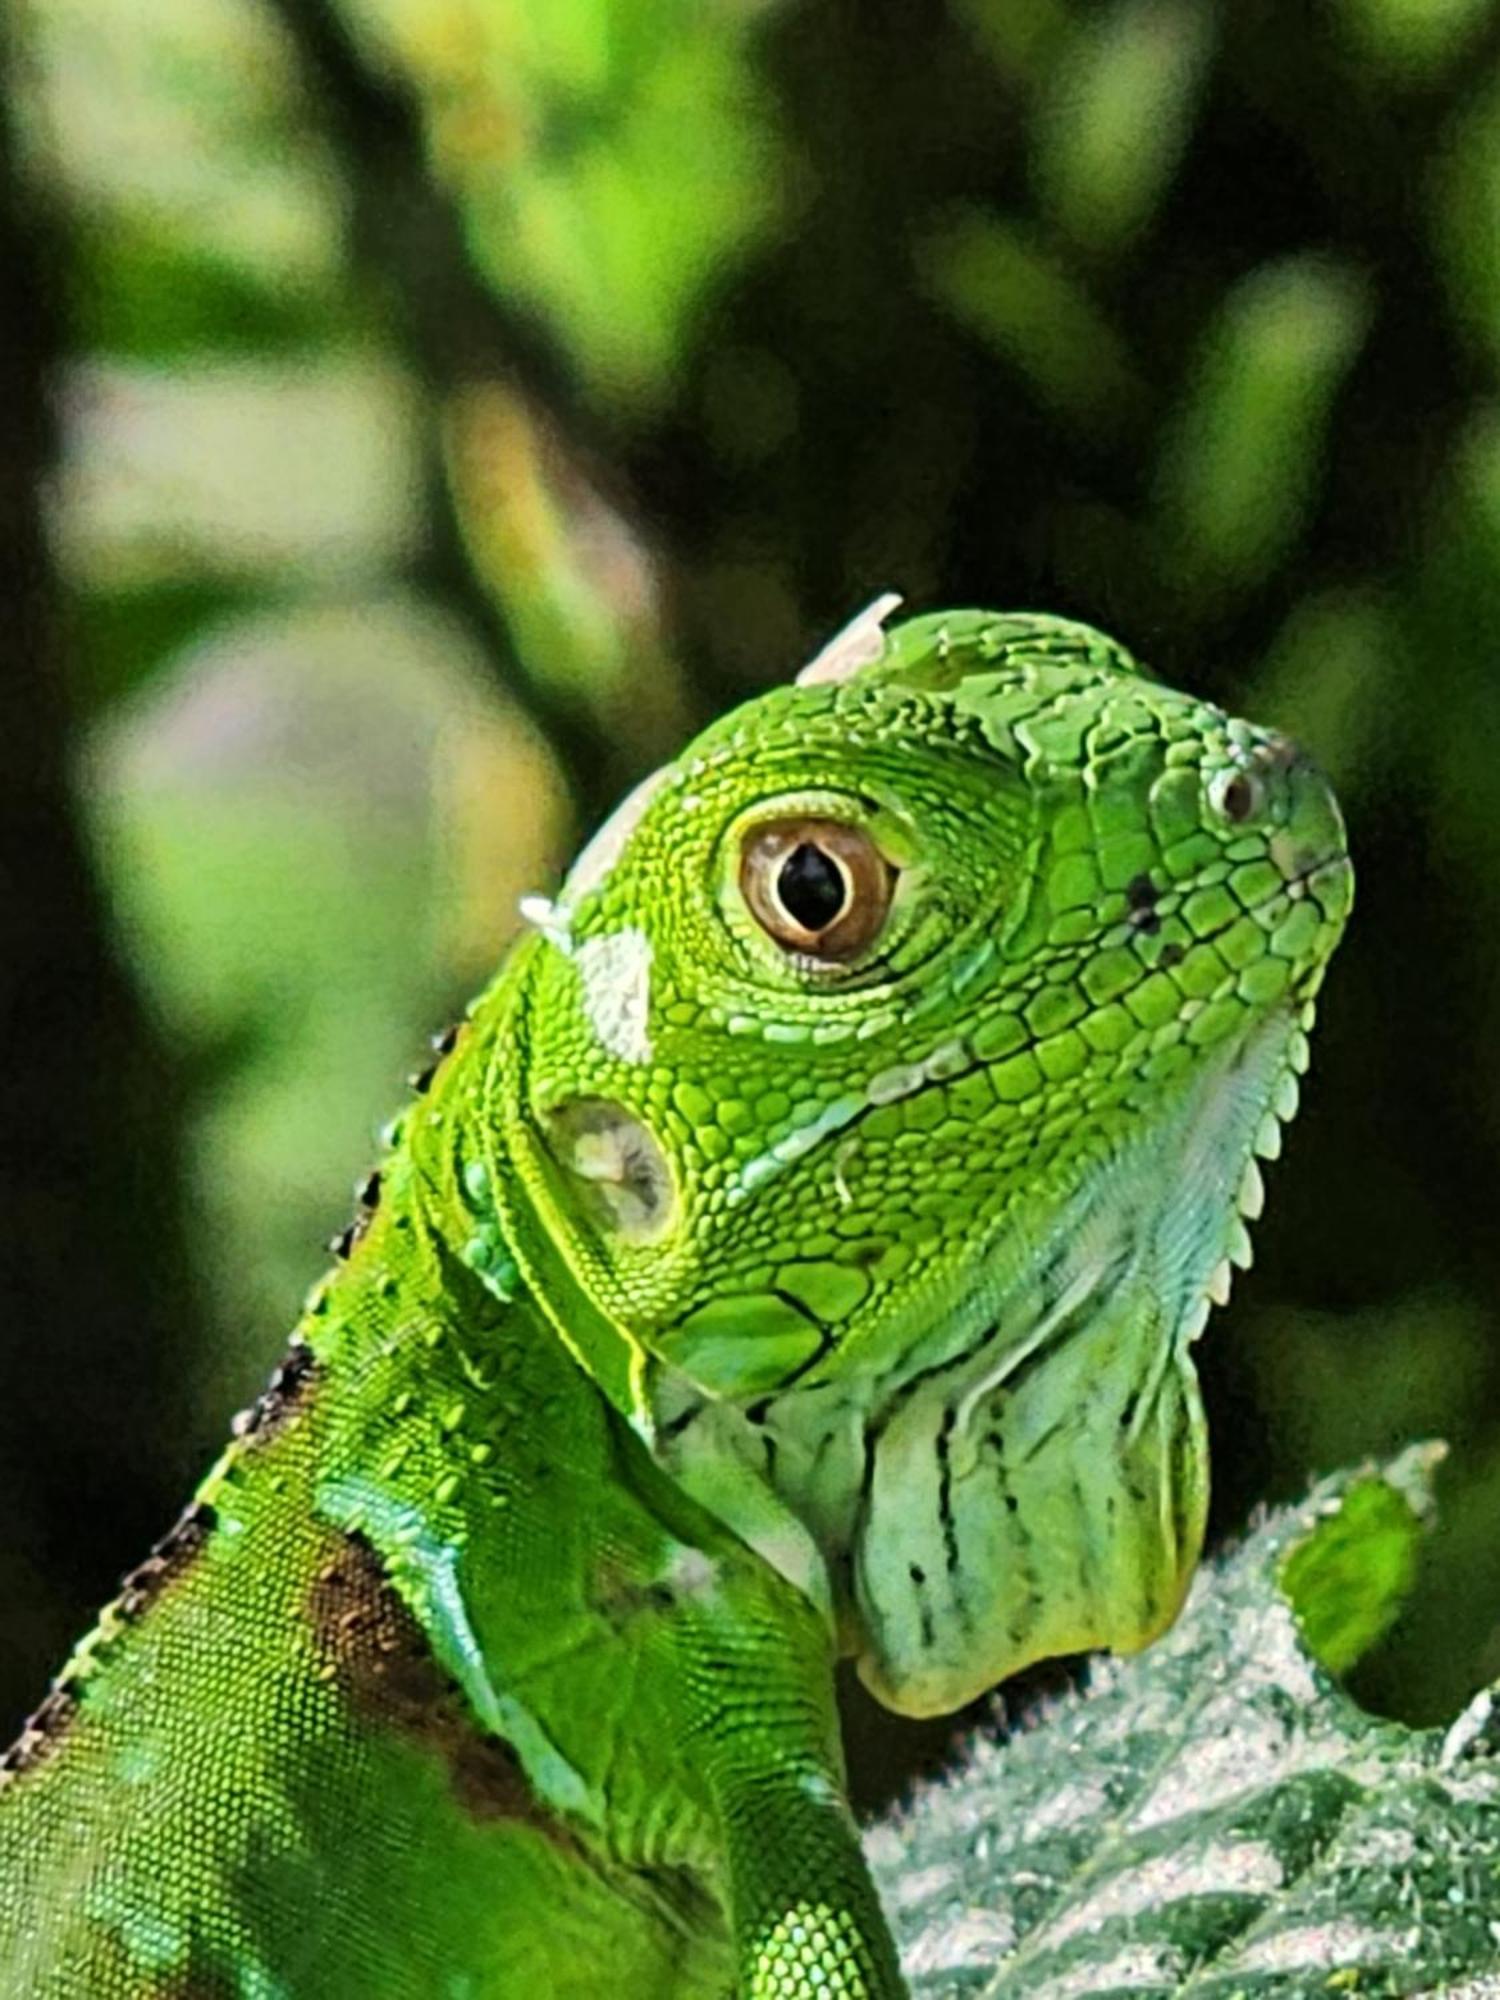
[616, 975]
[553, 920]
[859, 644]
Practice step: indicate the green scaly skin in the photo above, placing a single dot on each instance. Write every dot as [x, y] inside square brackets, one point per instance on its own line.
[720, 1310]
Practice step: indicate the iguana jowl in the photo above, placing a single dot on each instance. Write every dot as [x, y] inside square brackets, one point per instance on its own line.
[797, 1252]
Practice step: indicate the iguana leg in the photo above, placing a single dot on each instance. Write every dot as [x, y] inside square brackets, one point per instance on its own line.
[806, 1920]
[804, 1913]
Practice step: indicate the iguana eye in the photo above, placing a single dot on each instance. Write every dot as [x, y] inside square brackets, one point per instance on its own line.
[816, 886]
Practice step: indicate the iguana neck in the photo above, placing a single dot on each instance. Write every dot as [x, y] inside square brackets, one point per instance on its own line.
[476, 1154]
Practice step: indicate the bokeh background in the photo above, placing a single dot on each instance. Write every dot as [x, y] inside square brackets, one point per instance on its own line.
[416, 415]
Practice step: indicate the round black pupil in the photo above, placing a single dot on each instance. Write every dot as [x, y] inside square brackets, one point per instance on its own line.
[811, 887]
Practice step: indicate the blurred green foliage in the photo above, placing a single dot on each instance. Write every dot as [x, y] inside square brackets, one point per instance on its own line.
[461, 398]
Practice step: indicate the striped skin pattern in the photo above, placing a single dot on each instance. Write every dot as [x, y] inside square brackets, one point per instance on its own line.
[797, 1252]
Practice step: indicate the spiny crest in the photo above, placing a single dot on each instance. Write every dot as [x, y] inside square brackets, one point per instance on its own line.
[938, 651]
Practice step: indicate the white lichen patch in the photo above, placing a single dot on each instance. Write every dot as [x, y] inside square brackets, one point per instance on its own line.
[1467, 1729]
[1137, 1966]
[615, 972]
[1235, 1751]
[1267, 1640]
[1222, 1868]
[885, 1846]
[1390, 1847]
[1238, 1742]
[974, 1938]
[1067, 1807]
[1476, 1785]
[1323, 1947]
[924, 1885]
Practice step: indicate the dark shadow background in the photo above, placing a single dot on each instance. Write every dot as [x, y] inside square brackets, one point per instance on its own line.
[415, 415]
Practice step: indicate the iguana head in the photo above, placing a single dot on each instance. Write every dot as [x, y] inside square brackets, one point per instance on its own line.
[891, 1075]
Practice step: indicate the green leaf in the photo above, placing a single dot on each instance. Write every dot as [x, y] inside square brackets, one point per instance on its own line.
[1245, 451]
[1117, 117]
[1216, 1818]
[1014, 294]
[1347, 1580]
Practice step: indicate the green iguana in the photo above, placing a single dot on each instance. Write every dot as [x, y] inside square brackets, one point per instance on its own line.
[797, 1252]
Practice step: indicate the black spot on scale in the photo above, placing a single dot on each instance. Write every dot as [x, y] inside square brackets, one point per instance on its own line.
[926, 1627]
[42, 1733]
[446, 1040]
[1140, 895]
